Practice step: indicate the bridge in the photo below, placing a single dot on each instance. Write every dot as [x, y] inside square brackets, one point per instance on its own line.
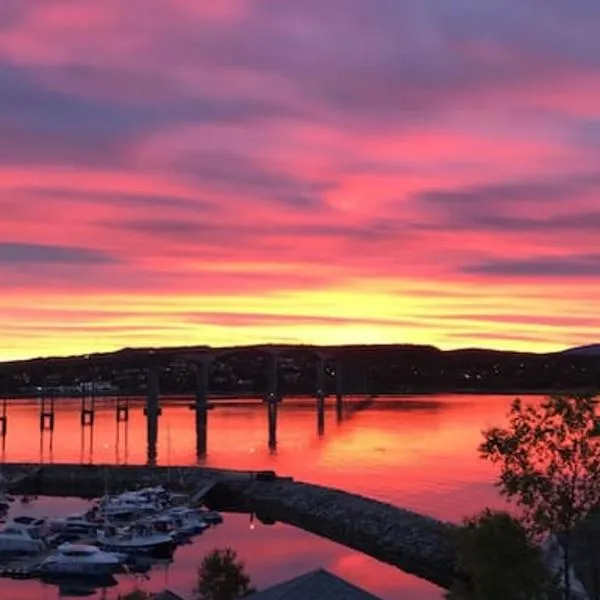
[152, 361]
[416, 543]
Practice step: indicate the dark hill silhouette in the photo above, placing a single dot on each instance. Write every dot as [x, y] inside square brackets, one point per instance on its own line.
[589, 350]
[378, 369]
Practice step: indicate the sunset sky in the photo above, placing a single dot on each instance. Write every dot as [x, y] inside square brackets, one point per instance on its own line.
[327, 171]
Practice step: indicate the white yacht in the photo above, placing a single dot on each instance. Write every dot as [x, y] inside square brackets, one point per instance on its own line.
[20, 540]
[139, 538]
[187, 520]
[4, 502]
[212, 517]
[76, 524]
[128, 507]
[37, 527]
[81, 559]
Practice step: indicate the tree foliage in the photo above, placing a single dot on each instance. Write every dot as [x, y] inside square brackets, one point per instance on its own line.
[498, 561]
[550, 464]
[221, 576]
[586, 552]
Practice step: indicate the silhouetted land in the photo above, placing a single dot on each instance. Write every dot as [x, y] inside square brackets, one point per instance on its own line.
[373, 369]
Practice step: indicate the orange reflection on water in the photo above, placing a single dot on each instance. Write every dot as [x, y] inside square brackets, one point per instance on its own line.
[417, 453]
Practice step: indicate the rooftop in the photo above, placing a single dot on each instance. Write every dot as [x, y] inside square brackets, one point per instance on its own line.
[168, 595]
[314, 585]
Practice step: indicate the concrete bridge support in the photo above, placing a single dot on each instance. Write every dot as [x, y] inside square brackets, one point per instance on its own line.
[201, 405]
[122, 410]
[339, 390]
[88, 407]
[321, 395]
[46, 412]
[273, 375]
[272, 398]
[152, 410]
[272, 423]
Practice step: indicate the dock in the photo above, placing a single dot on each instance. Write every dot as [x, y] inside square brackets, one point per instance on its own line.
[92, 481]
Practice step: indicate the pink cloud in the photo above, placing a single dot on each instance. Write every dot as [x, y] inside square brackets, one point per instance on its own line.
[262, 153]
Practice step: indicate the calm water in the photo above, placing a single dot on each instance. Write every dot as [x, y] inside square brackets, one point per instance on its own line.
[418, 453]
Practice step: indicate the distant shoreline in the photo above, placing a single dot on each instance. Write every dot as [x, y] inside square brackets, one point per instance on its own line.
[257, 397]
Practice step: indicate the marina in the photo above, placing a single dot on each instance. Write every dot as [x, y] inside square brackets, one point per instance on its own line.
[109, 538]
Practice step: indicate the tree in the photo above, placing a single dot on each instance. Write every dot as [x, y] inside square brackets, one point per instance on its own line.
[221, 576]
[550, 465]
[586, 552]
[498, 561]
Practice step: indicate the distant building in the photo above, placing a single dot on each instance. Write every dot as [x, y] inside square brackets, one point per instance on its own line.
[319, 584]
[316, 584]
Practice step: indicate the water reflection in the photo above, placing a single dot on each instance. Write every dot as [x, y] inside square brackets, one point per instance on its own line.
[46, 446]
[80, 587]
[417, 453]
[121, 442]
[271, 554]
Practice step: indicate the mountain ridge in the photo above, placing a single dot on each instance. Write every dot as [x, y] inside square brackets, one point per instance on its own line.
[586, 350]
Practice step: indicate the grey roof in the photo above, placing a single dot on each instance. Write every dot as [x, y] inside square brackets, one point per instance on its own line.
[168, 595]
[316, 585]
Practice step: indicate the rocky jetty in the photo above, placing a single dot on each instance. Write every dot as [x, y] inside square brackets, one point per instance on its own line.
[415, 543]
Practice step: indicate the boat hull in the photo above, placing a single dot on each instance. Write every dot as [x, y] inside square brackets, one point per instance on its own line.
[88, 570]
[160, 550]
[20, 548]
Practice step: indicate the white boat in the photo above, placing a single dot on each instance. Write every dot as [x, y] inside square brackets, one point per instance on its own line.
[5, 499]
[187, 520]
[129, 506]
[211, 516]
[127, 511]
[168, 525]
[140, 538]
[37, 527]
[81, 559]
[20, 540]
[76, 524]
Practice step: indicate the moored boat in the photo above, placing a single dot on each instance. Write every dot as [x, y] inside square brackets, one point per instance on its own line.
[187, 520]
[20, 540]
[139, 538]
[37, 527]
[81, 559]
[210, 516]
[76, 524]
